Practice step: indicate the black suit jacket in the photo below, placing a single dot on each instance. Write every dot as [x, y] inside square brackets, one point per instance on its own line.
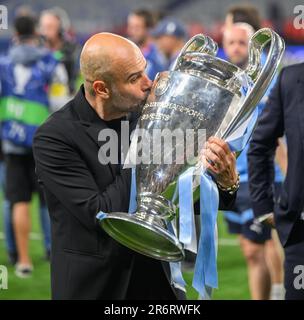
[86, 263]
[283, 114]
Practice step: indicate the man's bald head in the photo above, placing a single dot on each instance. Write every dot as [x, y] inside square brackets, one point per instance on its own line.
[115, 80]
[103, 55]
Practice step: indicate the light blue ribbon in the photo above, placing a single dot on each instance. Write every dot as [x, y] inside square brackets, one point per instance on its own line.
[177, 278]
[239, 143]
[101, 215]
[205, 270]
[133, 202]
[186, 213]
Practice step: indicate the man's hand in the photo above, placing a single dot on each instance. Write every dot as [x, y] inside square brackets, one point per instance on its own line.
[218, 159]
[267, 219]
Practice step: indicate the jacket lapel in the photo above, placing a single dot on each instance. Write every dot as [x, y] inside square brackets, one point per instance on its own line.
[94, 124]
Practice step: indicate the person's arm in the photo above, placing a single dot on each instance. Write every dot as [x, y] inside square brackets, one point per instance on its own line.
[281, 156]
[262, 150]
[227, 200]
[64, 174]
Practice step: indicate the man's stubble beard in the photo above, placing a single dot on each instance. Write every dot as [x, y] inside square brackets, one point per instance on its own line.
[120, 105]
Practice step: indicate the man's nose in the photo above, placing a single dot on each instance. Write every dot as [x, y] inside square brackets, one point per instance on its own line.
[147, 85]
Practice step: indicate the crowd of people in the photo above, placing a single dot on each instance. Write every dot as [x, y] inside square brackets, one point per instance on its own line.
[38, 77]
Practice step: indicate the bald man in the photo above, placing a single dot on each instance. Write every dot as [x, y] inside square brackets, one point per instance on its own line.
[85, 262]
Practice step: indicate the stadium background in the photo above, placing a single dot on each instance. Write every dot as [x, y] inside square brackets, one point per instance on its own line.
[91, 16]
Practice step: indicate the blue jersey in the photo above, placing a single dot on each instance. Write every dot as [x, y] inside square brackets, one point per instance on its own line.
[242, 165]
[155, 61]
[25, 75]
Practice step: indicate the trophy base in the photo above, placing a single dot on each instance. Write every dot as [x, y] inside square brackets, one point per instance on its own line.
[143, 237]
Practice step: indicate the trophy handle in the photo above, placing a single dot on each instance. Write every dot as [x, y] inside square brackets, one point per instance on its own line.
[256, 46]
[198, 43]
[260, 78]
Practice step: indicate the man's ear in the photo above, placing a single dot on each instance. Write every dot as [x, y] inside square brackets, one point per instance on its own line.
[101, 89]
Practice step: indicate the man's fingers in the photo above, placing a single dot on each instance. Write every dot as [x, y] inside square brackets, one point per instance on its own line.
[221, 143]
[217, 162]
[209, 166]
[218, 150]
[218, 159]
[217, 154]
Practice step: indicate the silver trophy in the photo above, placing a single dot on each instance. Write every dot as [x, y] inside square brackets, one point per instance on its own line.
[201, 92]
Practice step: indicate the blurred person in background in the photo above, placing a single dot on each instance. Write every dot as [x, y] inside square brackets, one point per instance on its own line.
[255, 238]
[11, 247]
[170, 35]
[53, 26]
[23, 10]
[139, 25]
[26, 75]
